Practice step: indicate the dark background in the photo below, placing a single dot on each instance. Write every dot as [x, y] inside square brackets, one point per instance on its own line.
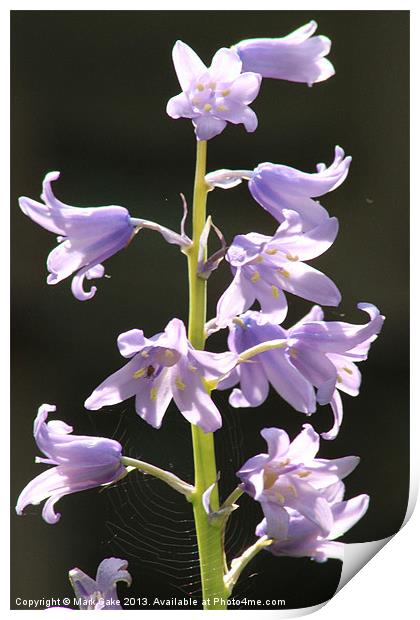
[89, 91]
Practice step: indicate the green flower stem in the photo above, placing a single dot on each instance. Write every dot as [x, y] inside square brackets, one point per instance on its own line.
[209, 539]
[238, 564]
[231, 499]
[168, 477]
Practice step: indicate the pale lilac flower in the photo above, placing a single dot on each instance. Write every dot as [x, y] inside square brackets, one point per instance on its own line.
[277, 187]
[297, 57]
[264, 267]
[212, 97]
[316, 353]
[161, 368]
[100, 593]
[325, 353]
[289, 476]
[82, 462]
[87, 236]
[305, 538]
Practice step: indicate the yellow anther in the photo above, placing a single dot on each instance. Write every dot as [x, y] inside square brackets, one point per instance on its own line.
[292, 257]
[139, 373]
[259, 259]
[153, 393]
[279, 496]
[269, 478]
[293, 352]
[284, 463]
[255, 276]
[339, 379]
[209, 384]
[192, 368]
[212, 85]
[239, 322]
[195, 101]
[200, 87]
[348, 370]
[275, 292]
[221, 108]
[304, 474]
[169, 354]
[207, 107]
[144, 354]
[283, 272]
[179, 383]
[292, 490]
[225, 92]
[271, 251]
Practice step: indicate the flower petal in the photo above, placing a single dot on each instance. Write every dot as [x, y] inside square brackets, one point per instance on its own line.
[288, 381]
[309, 283]
[131, 342]
[188, 65]
[180, 107]
[245, 88]
[206, 127]
[346, 514]
[153, 398]
[305, 446]
[238, 297]
[117, 387]
[110, 571]
[254, 387]
[337, 409]
[226, 65]
[192, 397]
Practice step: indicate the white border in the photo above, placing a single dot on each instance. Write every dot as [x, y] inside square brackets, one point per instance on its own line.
[388, 585]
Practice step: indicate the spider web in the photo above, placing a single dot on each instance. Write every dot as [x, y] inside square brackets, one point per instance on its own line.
[153, 527]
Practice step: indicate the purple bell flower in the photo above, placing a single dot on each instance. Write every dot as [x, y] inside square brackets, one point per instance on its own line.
[100, 593]
[297, 57]
[277, 187]
[161, 368]
[289, 476]
[316, 353]
[82, 462]
[87, 236]
[264, 267]
[212, 97]
[325, 353]
[305, 538]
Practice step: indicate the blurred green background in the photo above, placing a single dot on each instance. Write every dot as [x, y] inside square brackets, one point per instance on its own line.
[89, 91]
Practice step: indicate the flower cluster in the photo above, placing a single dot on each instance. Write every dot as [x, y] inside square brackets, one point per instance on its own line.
[301, 496]
[307, 364]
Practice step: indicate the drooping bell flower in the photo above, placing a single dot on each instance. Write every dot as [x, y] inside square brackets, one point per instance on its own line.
[264, 267]
[297, 57]
[211, 97]
[100, 594]
[289, 476]
[305, 538]
[163, 367]
[81, 462]
[87, 236]
[316, 353]
[277, 187]
[325, 353]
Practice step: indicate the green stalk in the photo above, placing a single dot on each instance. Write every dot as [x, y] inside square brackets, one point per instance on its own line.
[209, 538]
